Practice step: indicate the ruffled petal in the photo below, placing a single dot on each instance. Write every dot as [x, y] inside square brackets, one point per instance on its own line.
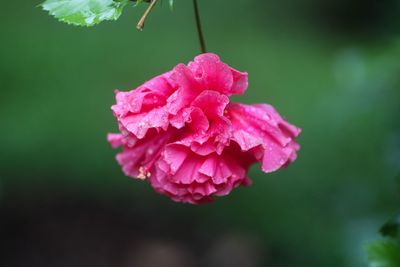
[145, 107]
[215, 75]
[115, 140]
[261, 129]
[139, 124]
[240, 82]
[188, 89]
[189, 177]
[138, 159]
[212, 103]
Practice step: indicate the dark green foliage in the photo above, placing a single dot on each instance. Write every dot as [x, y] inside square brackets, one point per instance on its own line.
[391, 228]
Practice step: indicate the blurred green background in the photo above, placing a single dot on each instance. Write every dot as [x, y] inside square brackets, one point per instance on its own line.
[330, 67]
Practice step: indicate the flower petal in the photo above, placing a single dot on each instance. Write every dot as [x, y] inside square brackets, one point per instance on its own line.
[144, 108]
[190, 177]
[138, 159]
[215, 75]
[261, 129]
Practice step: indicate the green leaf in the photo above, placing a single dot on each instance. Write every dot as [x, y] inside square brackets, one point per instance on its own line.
[84, 12]
[384, 253]
[171, 4]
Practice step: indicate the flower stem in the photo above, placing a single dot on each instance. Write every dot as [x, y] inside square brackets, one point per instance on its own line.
[140, 24]
[198, 25]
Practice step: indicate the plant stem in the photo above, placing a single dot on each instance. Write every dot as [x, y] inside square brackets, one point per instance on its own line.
[198, 25]
[140, 24]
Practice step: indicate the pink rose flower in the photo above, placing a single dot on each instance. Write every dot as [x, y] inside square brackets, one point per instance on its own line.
[180, 132]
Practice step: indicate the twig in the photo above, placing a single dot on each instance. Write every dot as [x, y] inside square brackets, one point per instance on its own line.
[140, 24]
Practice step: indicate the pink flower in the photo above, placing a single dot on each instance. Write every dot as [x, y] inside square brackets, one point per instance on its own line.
[180, 132]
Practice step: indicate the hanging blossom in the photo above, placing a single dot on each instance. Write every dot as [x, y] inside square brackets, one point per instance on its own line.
[180, 132]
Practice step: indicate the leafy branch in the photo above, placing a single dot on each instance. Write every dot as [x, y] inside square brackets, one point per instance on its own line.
[92, 12]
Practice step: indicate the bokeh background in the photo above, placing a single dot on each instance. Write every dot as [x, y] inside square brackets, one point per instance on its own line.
[331, 67]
